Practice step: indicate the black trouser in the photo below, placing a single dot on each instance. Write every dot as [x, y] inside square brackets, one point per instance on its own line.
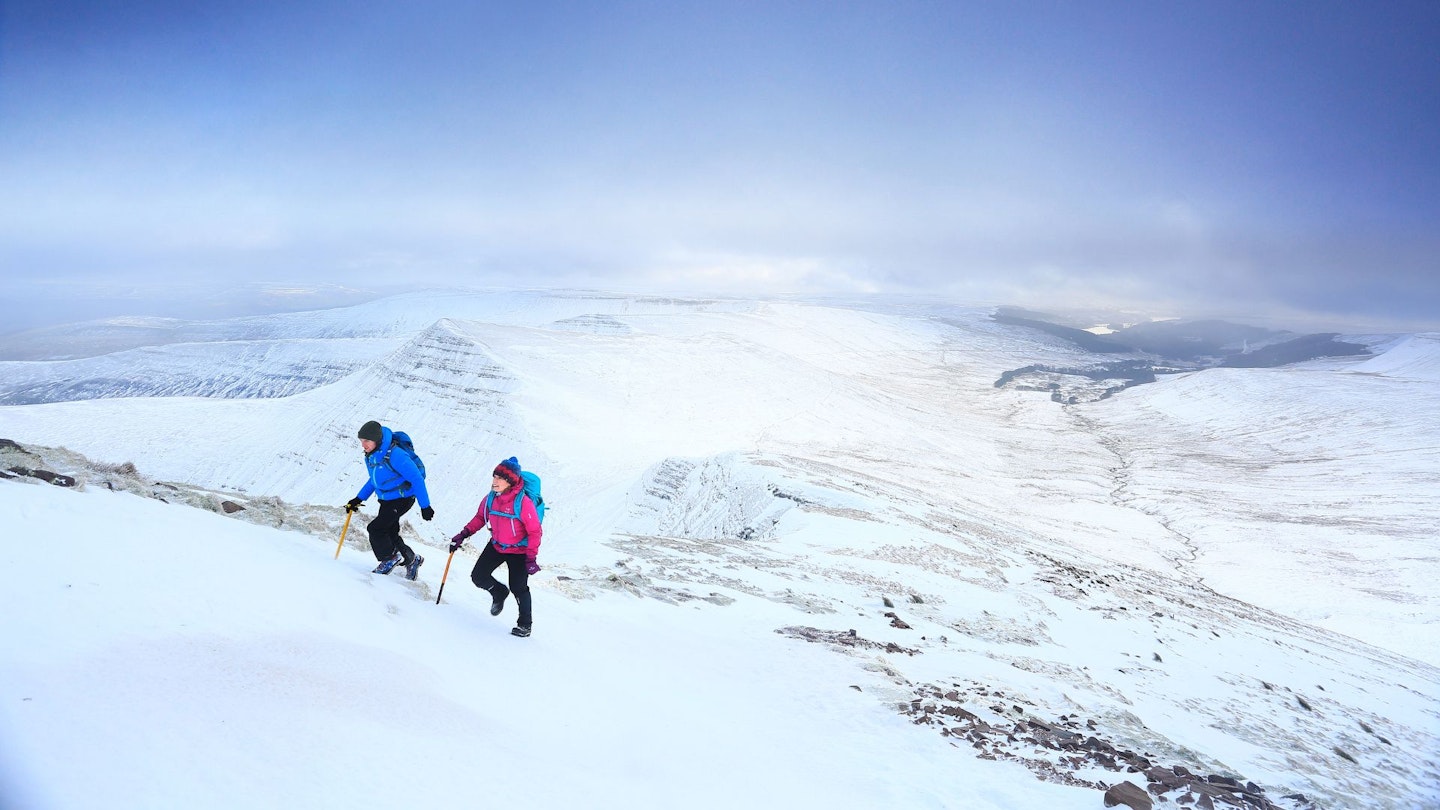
[490, 559]
[385, 531]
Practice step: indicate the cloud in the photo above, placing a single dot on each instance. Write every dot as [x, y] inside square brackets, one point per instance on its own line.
[1177, 156]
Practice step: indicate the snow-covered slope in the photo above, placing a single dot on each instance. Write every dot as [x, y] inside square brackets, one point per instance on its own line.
[1083, 561]
[1334, 475]
[175, 658]
[255, 645]
[1417, 357]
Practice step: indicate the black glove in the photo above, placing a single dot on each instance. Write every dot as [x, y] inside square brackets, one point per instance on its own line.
[353, 505]
[426, 512]
[457, 541]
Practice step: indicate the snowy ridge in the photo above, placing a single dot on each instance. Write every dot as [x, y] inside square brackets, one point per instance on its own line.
[1417, 357]
[706, 499]
[1147, 564]
[231, 370]
[396, 317]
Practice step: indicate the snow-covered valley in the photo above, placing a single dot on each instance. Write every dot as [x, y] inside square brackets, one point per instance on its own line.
[836, 525]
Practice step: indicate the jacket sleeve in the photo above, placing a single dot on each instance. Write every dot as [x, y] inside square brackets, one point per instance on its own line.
[478, 522]
[405, 468]
[533, 529]
[367, 490]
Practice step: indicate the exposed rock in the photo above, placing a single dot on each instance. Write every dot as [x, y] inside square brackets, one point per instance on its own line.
[45, 475]
[1077, 752]
[231, 507]
[848, 638]
[895, 621]
[1128, 794]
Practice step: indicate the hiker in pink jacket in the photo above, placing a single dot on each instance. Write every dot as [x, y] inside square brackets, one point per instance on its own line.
[515, 533]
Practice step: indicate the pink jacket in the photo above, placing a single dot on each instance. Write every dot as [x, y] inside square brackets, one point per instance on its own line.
[507, 534]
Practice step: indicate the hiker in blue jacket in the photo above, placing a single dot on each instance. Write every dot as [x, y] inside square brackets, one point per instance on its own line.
[398, 483]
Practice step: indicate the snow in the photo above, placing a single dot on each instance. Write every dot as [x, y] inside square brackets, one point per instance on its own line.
[1334, 475]
[1417, 357]
[1233, 570]
[173, 657]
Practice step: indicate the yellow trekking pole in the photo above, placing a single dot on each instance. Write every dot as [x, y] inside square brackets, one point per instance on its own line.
[443, 576]
[348, 514]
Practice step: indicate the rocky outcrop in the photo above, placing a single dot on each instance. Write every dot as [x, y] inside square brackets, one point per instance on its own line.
[30, 464]
[847, 639]
[17, 461]
[1071, 746]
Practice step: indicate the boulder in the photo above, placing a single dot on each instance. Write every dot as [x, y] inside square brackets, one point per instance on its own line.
[1128, 794]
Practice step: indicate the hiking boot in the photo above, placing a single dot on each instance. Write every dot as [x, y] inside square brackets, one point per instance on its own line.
[498, 599]
[389, 565]
[414, 567]
[521, 630]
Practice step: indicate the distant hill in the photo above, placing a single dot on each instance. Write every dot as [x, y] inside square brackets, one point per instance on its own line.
[1192, 340]
[1085, 340]
[1308, 347]
[1203, 344]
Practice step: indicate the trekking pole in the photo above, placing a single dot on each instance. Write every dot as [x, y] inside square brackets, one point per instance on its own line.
[443, 576]
[344, 529]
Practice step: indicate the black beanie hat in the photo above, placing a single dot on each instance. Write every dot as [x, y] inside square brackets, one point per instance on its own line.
[371, 430]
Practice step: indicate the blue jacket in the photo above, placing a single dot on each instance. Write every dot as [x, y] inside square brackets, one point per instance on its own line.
[392, 475]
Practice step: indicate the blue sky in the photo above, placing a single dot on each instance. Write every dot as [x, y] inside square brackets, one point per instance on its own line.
[1248, 159]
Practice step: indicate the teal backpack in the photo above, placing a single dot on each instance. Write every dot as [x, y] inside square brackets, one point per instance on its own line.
[401, 440]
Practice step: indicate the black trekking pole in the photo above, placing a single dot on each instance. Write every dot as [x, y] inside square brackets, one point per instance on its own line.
[443, 576]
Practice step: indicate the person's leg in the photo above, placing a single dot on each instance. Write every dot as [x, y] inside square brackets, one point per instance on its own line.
[384, 530]
[402, 505]
[520, 586]
[490, 559]
[483, 577]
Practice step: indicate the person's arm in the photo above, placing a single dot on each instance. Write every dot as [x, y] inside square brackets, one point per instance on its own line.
[478, 522]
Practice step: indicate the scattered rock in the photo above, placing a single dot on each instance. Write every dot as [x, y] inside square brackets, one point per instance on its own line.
[1077, 753]
[45, 475]
[895, 621]
[848, 638]
[1128, 794]
[231, 507]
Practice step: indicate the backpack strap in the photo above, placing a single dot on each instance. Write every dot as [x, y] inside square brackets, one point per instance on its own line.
[405, 485]
[519, 506]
